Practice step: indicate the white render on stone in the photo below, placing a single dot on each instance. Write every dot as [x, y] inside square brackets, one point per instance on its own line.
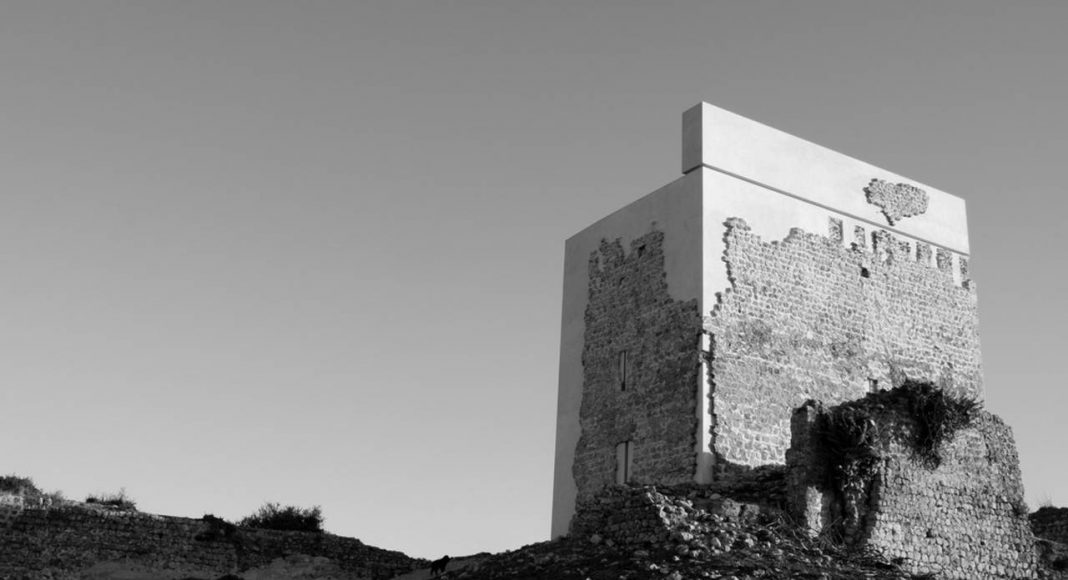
[733, 168]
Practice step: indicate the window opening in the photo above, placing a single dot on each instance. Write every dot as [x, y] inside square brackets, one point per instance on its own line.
[624, 459]
[623, 370]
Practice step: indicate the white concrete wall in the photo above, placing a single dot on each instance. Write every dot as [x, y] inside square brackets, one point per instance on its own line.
[676, 210]
[777, 161]
[776, 181]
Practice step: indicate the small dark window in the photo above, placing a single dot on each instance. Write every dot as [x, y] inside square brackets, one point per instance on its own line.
[864, 273]
[623, 370]
[624, 462]
[641, 250]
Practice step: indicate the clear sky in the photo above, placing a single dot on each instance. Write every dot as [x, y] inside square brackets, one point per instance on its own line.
[311, 252]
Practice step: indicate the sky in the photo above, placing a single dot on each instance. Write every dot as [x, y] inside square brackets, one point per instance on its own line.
[312, 252]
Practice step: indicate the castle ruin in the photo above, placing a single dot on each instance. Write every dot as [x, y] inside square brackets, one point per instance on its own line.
[774, 271]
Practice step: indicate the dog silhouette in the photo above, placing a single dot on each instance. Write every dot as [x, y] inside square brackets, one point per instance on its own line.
[438, 566]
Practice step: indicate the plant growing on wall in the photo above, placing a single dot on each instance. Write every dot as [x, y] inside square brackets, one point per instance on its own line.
[118, 499]
[272, 516]
[852, 440]
[850, 435]
[938, 415]
[18, 485]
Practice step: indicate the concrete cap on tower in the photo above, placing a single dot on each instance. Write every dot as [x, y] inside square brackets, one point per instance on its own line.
[734, 145]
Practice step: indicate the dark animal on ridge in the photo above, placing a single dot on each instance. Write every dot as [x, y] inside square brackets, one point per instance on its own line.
[438, 566]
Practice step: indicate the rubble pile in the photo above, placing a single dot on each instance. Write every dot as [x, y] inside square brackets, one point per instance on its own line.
[684, 532]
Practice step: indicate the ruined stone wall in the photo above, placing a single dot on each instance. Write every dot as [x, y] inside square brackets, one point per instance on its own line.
[11, 506]
[629, 310]
[966, 517]
[1051, 523]
[810, 317]
[962, 519]
[653, 516]
[71, 538]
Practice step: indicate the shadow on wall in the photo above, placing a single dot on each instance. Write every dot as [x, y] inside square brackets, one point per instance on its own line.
[921, 476]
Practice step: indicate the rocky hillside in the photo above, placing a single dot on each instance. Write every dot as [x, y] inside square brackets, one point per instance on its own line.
[731, 530]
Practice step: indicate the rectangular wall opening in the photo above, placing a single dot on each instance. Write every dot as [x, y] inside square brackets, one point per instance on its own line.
[624, 462]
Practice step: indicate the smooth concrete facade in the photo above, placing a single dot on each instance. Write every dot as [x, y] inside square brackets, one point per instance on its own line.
[779, 162]
[734, 168]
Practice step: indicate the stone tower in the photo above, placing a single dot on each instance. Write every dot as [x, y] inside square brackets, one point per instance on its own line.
[774, 271]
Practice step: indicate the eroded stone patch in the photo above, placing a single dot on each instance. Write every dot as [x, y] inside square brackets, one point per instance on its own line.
[897, 200]
[640, 370]
[809, 318]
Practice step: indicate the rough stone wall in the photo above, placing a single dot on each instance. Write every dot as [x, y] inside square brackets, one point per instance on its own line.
[964, 519]
[629, 310]
[1051, 523]
[11, 506]
[646, 516]
[967, 517]
[809, 318]
[71, 538]
[897, 200]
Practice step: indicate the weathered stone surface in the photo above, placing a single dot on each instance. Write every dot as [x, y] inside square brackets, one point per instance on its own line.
[643, 516]
[963, 519]
[896, 200]
[629, 311]
[808, 318]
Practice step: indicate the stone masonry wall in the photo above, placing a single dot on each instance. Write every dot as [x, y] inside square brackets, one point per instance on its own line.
[809, 318]
[68, 539]
[651, 517]
[962, 519]
[11, 506]
[630, 311]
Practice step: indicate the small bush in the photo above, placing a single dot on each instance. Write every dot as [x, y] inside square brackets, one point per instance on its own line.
[117, 499]
[18, 485]
[272, 516]
[851, 436]
[939, 415]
